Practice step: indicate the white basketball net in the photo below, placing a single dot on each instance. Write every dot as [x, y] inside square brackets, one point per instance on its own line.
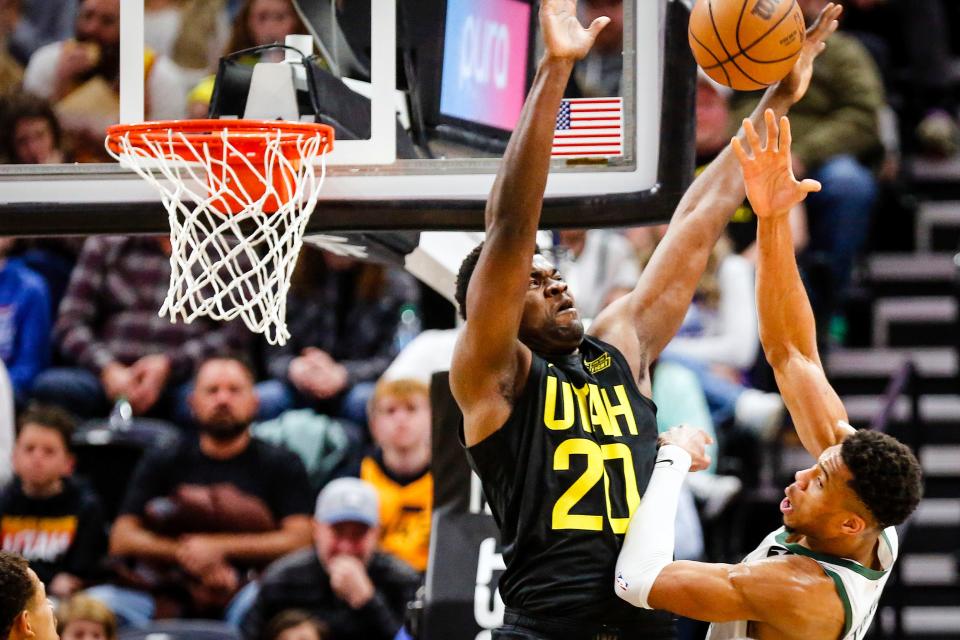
[225, 265]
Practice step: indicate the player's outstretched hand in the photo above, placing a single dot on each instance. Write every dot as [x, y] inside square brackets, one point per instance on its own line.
[768, 170]
[692, 440]
[563, 35]
[797, 82]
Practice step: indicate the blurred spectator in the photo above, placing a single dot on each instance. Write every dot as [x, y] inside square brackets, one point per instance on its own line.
[81, 77]
[400, 468]
[836, 140]
[598, 265]
[359, 592]
[117, 346]
[264, 22]
[720, 328]
[719, 338]
[294, 624]
[343, 316]
[11, 71]
[600, 73]
[36, 23]
[329, 448]
[713, 124]
[191, 33]
[199, 516]
[257, 22]
[25, 611]
[24, 322]
[31, 133]
[910, 40]
[84, 618]
[45, 515]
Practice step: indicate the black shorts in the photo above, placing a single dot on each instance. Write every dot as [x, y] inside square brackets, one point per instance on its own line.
[518, 626]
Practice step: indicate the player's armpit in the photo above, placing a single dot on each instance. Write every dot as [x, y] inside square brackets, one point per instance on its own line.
[787, 592]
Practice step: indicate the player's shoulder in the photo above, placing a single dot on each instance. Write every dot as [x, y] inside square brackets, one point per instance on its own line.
[790, 582]
[793, 590]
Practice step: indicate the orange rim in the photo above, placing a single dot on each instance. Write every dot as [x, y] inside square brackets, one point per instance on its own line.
[247, 134]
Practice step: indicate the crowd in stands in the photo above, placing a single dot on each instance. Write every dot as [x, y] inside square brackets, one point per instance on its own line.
[295, 499]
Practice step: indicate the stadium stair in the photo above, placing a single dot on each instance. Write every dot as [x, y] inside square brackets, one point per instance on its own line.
[913, 316]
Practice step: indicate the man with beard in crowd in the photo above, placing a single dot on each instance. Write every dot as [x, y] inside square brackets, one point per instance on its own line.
[81, 77]
[200, 516]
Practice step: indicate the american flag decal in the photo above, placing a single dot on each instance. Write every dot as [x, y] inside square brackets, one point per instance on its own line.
[589, 127]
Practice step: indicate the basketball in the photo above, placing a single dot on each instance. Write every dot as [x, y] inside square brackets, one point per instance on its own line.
[746, 44]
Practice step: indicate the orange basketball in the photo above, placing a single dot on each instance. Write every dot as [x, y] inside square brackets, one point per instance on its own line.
[746, 44]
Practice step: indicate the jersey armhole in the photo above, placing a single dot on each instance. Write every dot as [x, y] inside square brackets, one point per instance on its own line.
[844, 599]
[625, 366]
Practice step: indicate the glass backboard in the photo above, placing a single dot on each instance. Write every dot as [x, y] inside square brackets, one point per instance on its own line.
[441, 83]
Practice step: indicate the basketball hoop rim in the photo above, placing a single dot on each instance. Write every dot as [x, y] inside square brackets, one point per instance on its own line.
[210, 132]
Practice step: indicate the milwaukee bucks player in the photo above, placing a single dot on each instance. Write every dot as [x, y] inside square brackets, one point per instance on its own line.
[820, 576]
[559, 426]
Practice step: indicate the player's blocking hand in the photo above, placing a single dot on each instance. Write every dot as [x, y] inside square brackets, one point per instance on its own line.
[564, 36]
[797, 82]
[692, 440]
[768, 169]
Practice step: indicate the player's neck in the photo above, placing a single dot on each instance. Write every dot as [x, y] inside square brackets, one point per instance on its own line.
[548, 353]
[861, 549]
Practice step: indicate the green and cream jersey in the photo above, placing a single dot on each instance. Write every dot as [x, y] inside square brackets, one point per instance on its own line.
[859, 587]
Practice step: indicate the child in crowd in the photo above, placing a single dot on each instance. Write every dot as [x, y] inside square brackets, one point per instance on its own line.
[399, 469]
[294, 624]
[85, 618]
[45, 515]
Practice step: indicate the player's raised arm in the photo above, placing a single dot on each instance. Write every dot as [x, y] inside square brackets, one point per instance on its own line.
[655, 309]
[787, 328]
[489, 360]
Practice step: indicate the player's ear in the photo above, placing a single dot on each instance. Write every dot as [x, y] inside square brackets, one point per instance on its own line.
[22, 625]
[854, 524]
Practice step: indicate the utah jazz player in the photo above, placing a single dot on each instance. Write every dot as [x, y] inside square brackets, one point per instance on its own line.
[559, 426]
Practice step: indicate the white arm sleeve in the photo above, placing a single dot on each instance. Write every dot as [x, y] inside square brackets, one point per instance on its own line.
[648, 545]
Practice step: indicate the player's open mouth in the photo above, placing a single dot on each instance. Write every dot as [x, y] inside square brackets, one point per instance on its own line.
[566, 305]
[786, 506]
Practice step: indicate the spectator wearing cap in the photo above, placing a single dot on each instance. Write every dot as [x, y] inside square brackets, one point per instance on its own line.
[344, 581]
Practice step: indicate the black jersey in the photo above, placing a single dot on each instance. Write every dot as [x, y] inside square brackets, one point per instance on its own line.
[563, 476]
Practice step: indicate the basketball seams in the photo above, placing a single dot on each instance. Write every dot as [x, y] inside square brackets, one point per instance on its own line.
[744, 50]
[712, 55]
[716, 32]
[730, 58]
